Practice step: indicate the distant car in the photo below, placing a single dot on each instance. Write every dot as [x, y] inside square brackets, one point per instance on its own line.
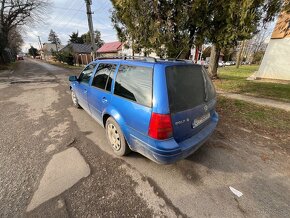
[228, 63]
[20, 57]
[164, 110]
[221, 64]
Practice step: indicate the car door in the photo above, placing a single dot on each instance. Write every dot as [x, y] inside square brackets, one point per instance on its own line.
[133, 95]
[81, 87]
[99, 93]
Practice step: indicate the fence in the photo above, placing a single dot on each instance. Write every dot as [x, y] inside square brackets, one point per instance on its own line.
[82, 59]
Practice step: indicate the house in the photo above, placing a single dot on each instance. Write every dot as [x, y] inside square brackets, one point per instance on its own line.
[110, 49]
[81, 52]
[129, 52]
[276, 63]
[47, 49]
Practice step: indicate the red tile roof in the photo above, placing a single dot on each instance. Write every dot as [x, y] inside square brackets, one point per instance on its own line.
[110, 47]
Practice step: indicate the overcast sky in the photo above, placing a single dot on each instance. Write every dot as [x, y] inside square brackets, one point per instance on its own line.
[67, 16]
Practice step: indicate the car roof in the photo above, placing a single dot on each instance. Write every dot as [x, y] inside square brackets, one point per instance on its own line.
[147, 61]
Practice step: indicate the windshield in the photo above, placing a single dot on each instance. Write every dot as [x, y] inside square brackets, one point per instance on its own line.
[188, 86]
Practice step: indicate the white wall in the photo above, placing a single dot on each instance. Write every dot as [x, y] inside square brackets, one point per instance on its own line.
[276, 61]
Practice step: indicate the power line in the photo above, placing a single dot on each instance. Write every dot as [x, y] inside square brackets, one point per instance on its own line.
[67, 9]
[74, 15]
[102, 8]
[64, 14]
[102, 11]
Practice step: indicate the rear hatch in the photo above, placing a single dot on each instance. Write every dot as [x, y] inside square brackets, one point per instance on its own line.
[192, 99]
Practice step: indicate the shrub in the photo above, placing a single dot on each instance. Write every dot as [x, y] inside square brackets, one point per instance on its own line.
[65, 56]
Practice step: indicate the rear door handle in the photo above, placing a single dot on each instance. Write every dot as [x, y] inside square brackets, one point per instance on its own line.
[104, 100]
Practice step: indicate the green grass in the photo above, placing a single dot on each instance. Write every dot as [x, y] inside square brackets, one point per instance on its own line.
[234, 80]
[255, 117]
[58, 64]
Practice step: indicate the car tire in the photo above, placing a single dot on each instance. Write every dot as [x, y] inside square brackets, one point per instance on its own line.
[116, 138]
[75, 99]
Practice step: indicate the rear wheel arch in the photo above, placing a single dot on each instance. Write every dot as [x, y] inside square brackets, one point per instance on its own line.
[105, 118]
[118, 118]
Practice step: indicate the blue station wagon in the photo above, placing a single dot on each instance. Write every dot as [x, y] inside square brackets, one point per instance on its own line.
[164, 110]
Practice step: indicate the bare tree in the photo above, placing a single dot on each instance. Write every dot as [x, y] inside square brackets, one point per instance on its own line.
[15, 41]
[17, 13]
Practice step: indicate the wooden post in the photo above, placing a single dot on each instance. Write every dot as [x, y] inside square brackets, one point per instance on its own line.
[87, 58]
[82, 59]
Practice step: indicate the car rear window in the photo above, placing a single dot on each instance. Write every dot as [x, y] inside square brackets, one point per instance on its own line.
[135, 84]
[188, 86]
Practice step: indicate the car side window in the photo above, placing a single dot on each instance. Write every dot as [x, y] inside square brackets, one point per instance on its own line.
[104, 76]
[135, 83]
[86, 74]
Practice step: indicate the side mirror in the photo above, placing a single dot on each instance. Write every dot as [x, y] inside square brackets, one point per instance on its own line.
[73, 78]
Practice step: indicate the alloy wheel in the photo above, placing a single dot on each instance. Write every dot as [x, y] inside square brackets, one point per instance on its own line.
[114, 137]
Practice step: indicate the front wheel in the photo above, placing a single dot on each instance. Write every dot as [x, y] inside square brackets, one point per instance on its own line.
[116, 138]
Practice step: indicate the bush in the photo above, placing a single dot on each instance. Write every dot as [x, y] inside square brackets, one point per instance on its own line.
[66, 57]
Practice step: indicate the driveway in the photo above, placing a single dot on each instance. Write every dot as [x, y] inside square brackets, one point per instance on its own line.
[55, 162]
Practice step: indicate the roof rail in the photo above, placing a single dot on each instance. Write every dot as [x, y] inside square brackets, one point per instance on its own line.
[144, 58]
[174, 59]
[141, 58]
[104, 58]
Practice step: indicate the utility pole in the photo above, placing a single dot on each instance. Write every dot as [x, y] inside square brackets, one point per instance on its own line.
[41, 47]
[91, 28]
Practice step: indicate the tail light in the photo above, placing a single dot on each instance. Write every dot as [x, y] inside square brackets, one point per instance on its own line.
[160, 126]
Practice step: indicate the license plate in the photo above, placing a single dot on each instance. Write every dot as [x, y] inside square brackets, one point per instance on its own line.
[200, 120]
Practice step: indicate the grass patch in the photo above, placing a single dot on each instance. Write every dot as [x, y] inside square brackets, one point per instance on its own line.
[254, 117]
[58, 64]
[234, 80]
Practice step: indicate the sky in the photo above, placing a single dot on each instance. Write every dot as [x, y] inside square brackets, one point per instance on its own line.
[67, 16]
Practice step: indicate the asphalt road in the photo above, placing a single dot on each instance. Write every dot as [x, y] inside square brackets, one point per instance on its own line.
[55, 162]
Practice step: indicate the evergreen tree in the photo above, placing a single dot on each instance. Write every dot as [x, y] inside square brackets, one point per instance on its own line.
[171, 28]
[75, 38]
[86, 37]
[33, 51]
[54, 39]
[233, 21]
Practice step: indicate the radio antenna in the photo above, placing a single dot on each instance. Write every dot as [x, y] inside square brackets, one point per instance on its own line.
[183, 48]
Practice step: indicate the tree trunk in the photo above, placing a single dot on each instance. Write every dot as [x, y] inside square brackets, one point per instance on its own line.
[240, 55]
[213, 63]
[4, 44]
[187, 55]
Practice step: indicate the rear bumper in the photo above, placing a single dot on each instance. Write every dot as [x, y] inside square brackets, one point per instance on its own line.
[169, 151]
